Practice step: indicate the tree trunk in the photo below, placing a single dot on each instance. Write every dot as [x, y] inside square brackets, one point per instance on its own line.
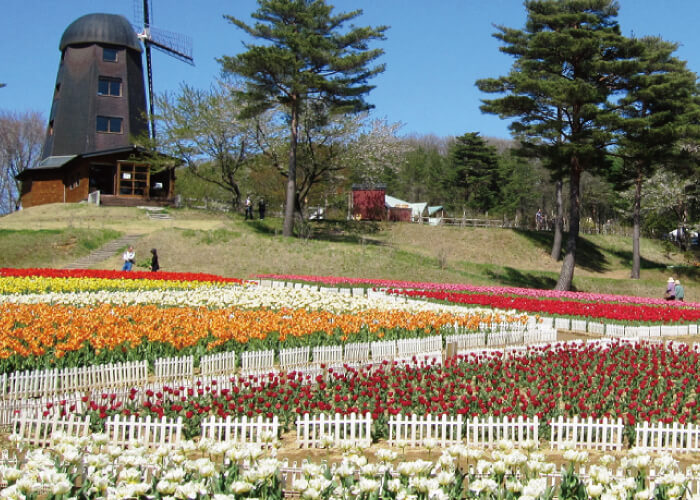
[566, 276]
[558, 222]
[290, 206]
[636, 225]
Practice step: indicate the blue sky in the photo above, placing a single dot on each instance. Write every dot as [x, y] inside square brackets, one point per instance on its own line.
[435, 51]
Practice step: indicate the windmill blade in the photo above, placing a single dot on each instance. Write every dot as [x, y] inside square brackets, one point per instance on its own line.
[175, 44]
[139, 12]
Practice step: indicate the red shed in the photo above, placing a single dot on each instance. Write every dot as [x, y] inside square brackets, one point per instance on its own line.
[368, 202]
[400, 214]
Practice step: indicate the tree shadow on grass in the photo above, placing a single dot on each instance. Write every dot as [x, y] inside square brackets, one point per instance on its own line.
[514, 277]
[261, 227]
[588, 255]
[358, 232]
[325, 230]
[626, 260]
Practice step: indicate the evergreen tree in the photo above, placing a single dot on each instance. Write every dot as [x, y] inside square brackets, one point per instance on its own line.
[522, 186]
[305, 56]
[567, 61]
[474, 172]
[659, 109]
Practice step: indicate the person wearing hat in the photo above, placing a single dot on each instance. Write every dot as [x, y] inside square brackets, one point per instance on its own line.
[679, 291]
[670, 289]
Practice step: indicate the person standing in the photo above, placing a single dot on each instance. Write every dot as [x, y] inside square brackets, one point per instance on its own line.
[538, 219]
[679, 291]
[154, 260]
[670, 289]
[248, 208]
[128, 258]
[261, 208]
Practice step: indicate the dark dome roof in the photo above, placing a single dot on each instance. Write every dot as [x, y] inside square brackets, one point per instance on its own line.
[111, 29]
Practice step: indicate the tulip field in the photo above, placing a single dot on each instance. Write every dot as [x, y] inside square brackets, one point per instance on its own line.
[58, 320]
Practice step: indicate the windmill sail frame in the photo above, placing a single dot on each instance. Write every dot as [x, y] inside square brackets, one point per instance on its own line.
[174, 44]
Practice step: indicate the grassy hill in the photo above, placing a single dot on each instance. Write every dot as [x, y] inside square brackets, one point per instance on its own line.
[198, 241]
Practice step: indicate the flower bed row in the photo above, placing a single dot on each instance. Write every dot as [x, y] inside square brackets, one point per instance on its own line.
[246, 297]
[633, 382]
[107, 274]
[91, 468]
[57, 336]
[487, 290]
[44, 285]
[618, 312]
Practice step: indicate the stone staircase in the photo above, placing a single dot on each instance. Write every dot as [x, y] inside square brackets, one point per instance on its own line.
[157, 213]
[105, 252]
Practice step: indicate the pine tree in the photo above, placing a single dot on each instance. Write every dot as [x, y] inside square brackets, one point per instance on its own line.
[474, 171]
[660, 108]
[567, 61]
[304, 56]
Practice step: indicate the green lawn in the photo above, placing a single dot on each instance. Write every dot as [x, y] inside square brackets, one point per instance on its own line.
[197, 241]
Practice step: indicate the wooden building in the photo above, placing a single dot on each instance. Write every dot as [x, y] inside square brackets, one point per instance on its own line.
[97, 112]
[121, 175]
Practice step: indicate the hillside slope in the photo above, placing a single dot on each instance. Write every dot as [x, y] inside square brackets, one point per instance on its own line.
[227, 245]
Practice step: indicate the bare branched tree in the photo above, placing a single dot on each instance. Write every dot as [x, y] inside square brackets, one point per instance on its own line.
[330, 147]
[21, 139]
[203, 128]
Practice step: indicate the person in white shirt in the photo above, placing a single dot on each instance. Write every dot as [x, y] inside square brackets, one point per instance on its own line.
[128, 257]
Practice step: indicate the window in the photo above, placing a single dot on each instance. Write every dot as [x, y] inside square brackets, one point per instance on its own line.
[109, 54]
[133, 178]
[109, 124]
[109, 86]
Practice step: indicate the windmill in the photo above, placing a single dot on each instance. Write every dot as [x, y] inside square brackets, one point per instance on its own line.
[174, 44]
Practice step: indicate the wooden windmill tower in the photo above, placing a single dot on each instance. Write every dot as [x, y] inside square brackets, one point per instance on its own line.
[99, 99]
[99, 107]
[174, 44]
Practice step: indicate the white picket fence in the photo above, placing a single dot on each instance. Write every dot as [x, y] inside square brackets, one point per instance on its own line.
[423, 349]
[42, 383]
[333, 430]
[587, 433]
[487, 432]
[327, 355]
[108, 375]
[294, 358]
[123, 431]
[540, 335]
[38, 430]
[406, 348]
[501, 340]
[223, 363]
[579, 325]
[383, 350]
[505, 338]
[562, 324]
[673, 438]
[356, 352]
[32, 383]
[257, 361]
[242, 430]
[431, 348]
[414, 430]
[168, 369]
